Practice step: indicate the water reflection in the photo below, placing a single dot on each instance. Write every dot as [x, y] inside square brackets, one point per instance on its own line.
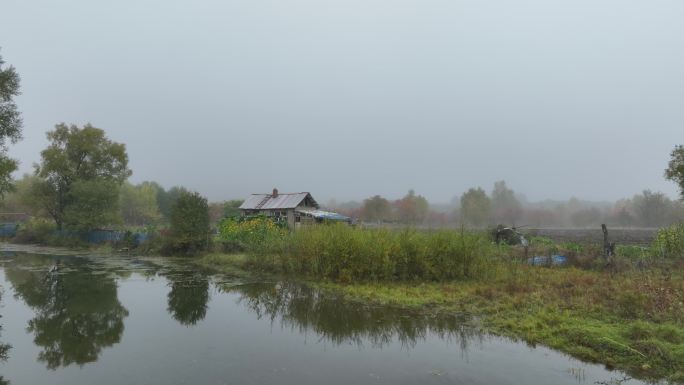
[345, 322]
[77, 312]
[4, 349]
[188, 297]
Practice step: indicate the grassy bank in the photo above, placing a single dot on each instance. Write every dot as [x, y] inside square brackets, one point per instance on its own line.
[632, 321]
[626, 312]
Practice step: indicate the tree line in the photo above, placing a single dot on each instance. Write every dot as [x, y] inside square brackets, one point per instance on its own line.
[502, 205]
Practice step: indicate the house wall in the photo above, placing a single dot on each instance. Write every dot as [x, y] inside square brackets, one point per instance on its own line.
[291, 218]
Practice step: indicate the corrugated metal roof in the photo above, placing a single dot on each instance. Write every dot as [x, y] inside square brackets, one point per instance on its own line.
[269, 202]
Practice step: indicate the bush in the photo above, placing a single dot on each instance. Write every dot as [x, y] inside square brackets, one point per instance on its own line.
[669, 241]
[189, 231]
[36, 230]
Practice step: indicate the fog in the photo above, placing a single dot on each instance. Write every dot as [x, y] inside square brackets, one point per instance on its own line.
[352, 98]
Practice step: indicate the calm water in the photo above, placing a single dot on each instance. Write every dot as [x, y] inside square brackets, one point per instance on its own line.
[120, 320]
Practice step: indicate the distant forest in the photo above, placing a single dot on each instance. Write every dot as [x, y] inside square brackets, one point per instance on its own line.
[502, 205]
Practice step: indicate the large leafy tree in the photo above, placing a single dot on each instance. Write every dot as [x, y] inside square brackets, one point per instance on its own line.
[79, 177]
[675, 169]
[10, 123]
[475, 207]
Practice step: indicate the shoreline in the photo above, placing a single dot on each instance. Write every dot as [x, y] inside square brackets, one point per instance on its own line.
[553, 307]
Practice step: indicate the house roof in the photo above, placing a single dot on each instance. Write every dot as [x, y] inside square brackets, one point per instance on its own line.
[280, 201]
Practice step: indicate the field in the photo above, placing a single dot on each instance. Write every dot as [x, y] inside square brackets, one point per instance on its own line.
[621, 236]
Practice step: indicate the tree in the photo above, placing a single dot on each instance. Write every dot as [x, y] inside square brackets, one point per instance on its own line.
[475, 207]
[377, 209]
[10, 124]
[505, 206]
[189, 223]
[139, 204]
[231, 208]
[652, 208]
[412, 208]
[80, 174]
[95, 203]
[675, 169]
[18, 200]
[166, 200]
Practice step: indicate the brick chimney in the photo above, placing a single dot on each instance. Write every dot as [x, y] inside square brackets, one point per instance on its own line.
[275, 192]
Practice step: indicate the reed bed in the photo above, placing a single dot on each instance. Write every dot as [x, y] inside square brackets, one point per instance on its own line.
[345, 254]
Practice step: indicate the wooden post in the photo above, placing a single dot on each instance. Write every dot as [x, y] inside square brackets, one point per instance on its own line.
[608, 247]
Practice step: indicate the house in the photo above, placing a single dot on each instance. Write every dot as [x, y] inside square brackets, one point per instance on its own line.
[296, 208]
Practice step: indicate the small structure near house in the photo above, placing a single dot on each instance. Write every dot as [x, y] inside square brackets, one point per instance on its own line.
[296, 209]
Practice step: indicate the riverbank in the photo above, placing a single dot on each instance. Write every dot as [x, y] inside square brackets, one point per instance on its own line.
[631, 321]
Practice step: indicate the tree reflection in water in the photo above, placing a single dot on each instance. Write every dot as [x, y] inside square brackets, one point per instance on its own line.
[4, 348]
[188, 297]
[345, 322]
[77, 309]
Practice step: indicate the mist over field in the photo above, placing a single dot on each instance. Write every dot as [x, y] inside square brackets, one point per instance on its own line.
[356, 98]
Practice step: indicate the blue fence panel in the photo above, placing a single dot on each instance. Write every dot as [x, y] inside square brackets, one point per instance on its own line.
[102, 236]
[8, 229]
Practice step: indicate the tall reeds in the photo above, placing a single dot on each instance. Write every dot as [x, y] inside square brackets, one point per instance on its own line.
[345, 253]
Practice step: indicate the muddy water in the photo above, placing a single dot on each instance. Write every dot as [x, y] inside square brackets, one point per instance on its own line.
[87, 319]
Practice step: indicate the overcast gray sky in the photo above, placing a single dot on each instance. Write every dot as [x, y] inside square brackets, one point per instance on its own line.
[350, 98]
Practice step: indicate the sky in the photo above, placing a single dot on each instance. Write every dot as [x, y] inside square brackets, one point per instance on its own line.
[352, 98]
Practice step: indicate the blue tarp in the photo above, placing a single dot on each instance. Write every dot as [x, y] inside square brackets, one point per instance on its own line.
[8, 229]
[556, 260]
[324, 215]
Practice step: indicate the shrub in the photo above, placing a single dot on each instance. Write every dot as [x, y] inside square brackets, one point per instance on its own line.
[670, 241]
[189, 230]
[36, 230]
